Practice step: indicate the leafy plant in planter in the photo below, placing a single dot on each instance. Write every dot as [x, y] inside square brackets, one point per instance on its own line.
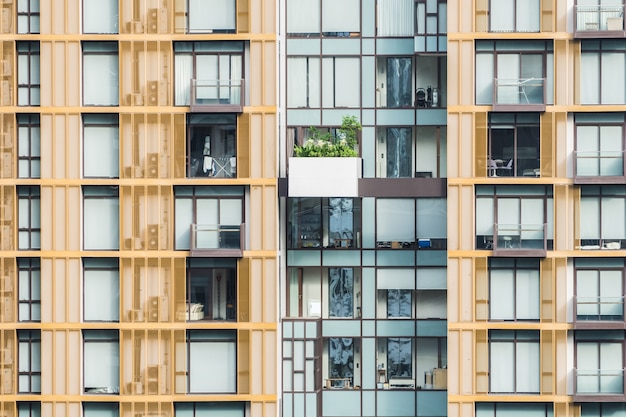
[327, 145]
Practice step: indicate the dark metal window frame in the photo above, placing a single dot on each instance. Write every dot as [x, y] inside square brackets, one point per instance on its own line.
[514, 265]
[30, 122]
[514, 125]
[230, 282]
[86, 268]
[515, 341]
[30, 338]
[88, 123]
[29, 49]
[189, 340]
[191, 126]
[29, 266]
[113, 337]
[29, 14]
[113, 194]
[31, 194]
[112, 51]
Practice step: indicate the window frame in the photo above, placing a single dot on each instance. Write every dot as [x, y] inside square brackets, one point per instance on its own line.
[29, 408]
[30, 227]
[582, 120]
[533, 338]
[228, 336]
[30, 368]
[598, 338]
[515, 265]
[29, 266]
[32, 17]
[218, 165]
[612, 192]
[104, 193]
[31, 156]
[515, 6]
[110, 337]
[319, 24]
[32, 51]
[586, 265]
[113, 266]
[213, 270]
[89, 121]
[106, 48]
[517, 126]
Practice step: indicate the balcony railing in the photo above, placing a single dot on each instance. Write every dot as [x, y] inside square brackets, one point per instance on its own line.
[520, 240]
[599, 166]
[217, 95]
[217, 240]
[600, 308]
[600, 381]
[519, 94]
[596, 21]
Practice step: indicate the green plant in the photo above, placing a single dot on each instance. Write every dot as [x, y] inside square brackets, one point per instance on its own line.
[343, 144]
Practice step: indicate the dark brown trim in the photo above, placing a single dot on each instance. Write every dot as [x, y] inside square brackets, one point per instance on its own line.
[403, 187]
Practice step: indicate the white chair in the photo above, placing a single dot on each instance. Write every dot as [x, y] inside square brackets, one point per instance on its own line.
[508, 167]
[493, 168]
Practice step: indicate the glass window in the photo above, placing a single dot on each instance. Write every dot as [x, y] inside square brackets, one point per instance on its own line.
[100, 74]
[343, 361]
[342, 82]
[101, 147]
[101, 410]
[602, 216]
[101, 361]
[28, 16]
[101, 289]
[220, 348]
[514, 289]
[514, 361]
[28, 409]
[100, 16]
[521, 71]
[29, 218]
[394, 84]
[411, 223]
[395, 17]
[602, 409]
[216, 68]
[221, 19]
[101, 218]
[216, 212]
[331, 17]
[324, 222]
[507, 409]
[212, 145]
[514, 16]
[28, 80]
[29, 289]
[431, 25]
[28, 146]
[599, 289]
[599, 362]
[399, 354]
[432, 357]
[514, 145]
[303, 82]
[211, 290]
[29, 368]
[599, 145]
[212, 409]
[600, 62]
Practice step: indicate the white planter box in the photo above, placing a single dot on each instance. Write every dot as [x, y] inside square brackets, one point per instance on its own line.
[324, 177]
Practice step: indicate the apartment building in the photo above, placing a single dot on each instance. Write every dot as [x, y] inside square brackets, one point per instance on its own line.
[364, 274]
[536, 105]
[138, 202]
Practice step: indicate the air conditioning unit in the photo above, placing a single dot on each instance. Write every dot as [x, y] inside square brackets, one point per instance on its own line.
[152, 165]
[152, 91]
[153, 20]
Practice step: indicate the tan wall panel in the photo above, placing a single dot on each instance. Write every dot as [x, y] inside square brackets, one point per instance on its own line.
[561, 296]
[270, 142]
[243, 289]
[562, 66]
[467, 212]
[466, 144]
[466, 62]
[255, 226]
[548, 303]
[64, 290]
[270, 75]
[45, 73]
[270, 303]
[65, 227]
[61, 409]
[466, 290]
[461, 409]
[60, 142]
[74, 289]
[454, 267]
[562, 151]
[256, 362]
[271, 364]
[72, 71]
[563, 217]
[453, 362]
[453, 217]
[561, 366]
[47, 364]
[256, 72]
[74, 210]
[256, 145]
[453, 157]
[270, 218]
[46, 288]
[547, 16]
[59, 290]
[256, 288]
[480, 144]
[64, 353]
[65, 19]
[453, 69]
[47, 219]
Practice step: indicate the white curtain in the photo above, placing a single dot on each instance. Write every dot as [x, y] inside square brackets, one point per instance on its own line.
[613, 218]
[502, 367]
[99, 16]
[101, 79]
[303, 82]
[102, 295]
[527, 366]
[101, 223]
[101, 151]
[395, 17]
[341, 82]
[221, 16]
[501, 295]
[527, 295]
[590, 78]
[101, 360]
[303, 16]
[590, 210]
[502, 16]
[183, 65]
[341, 15]
[183, 220]
[484, 216]
[613, 86]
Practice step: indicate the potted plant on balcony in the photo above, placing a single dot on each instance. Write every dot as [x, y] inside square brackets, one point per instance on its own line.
[325, 145]
[327, 165]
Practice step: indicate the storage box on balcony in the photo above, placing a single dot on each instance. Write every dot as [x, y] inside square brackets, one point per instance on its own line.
[324, 177]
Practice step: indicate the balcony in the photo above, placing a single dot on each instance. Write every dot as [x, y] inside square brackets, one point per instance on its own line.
[591, 310]
[219, 241]
[590, 384]
[217, 96]
[519, 94]
[599, 167]
[324, 176]
[599, 22]
[520, 240]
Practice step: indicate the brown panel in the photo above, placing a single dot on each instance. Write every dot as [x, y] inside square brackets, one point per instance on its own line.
[482, 16]
[243, 145]
[480, 144]
[243, 16]
[243, 285]
[243, 362]
[403, 187]
[547, 363]
[482, 362]
[547, 145]
[547, 290]
[548, 16]
[482, 289]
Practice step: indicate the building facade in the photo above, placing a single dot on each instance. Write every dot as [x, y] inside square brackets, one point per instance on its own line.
[139, 227]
